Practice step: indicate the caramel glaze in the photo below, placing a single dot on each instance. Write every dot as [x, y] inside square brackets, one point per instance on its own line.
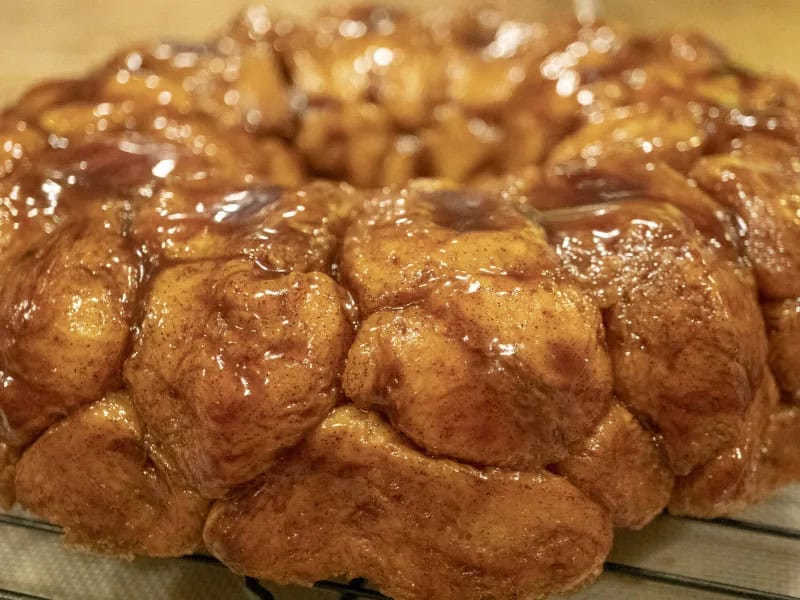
[110, 469]
[473, 341]
[553, 301]
[706, 325]
[353, 510]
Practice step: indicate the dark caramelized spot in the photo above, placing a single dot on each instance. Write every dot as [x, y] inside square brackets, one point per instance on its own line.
[568, 186]
[469, 210]
[601, 187]
[566, 358]
[475, 35]
[107, 164]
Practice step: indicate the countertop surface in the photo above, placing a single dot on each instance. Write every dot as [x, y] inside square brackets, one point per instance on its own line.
[51, 38]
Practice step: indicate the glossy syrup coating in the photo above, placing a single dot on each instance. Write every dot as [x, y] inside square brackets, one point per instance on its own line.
[67, 296]
[783, 328]
[357, 501]
[569, 303]
[94, 474]
[8, 461]
[268, 328]
[66, 309]
[670, 305]
[17, 142]
[476, 346]
[234, 365]
[728, 482]
[621, 467]
[760, 182]
[237, 78]
[279, 229]
[665, 132]
[779, 465]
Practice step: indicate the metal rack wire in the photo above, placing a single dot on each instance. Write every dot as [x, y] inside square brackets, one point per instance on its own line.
[358, 589]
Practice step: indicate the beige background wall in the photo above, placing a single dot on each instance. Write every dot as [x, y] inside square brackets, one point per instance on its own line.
[41, 38]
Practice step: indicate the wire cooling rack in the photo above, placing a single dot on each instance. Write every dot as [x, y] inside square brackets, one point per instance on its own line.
[755, 556]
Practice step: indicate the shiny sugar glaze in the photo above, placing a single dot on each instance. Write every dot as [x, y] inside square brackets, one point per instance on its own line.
[460, 293]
